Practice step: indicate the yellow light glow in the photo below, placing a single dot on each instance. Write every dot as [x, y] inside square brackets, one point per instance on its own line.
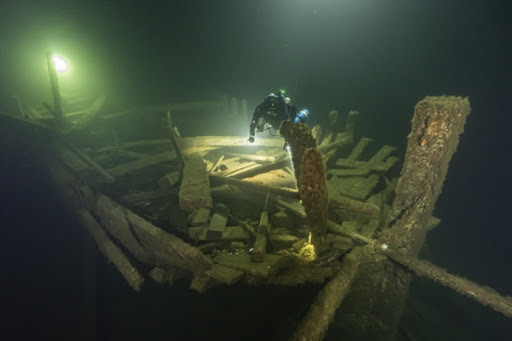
[60, 64]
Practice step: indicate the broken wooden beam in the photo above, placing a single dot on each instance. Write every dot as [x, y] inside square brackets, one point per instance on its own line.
[111, 250]
[246, 185]
[142, 163]
[367, 209]
[236, 167]
[224, 274]
[380, 167]
[195, 185]
[199, 217]
[218, 222]
[260, 244]
[343, 141]
[321, 313]
[148, 243]
[279, 161]
[175, 140]
[333, 128]
[436, 126]
[106, 175]
[338, 229]
[169, 180]
[355, 187]
[230, 141]
[482, 294]
[359, 148]
[272, 264]
[130, 154]
[350, 126]
[137, 197]
[160, 143]
[215, 165]
[165, 276]
[349, 172]
[251, 157]
[202, 233]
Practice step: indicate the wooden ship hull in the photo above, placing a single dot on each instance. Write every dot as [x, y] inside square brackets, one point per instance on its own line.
[214, 210]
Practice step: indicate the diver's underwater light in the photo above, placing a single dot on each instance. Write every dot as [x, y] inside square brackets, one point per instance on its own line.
[60, 64]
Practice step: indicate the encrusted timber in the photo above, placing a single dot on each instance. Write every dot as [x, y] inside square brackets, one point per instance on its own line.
[111, 251]
[381, 162]
[146, 242]
[195, 186]
[313, 192]
[436, 126]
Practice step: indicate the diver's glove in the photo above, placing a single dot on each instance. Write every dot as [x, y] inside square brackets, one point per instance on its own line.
[251, 139]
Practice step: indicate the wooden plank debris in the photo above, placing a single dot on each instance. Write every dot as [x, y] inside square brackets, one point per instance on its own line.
[250, 186]
[483, 294]
[165, 276]
[170, 180]
[368, 230]
[359, 188]
[321, 313]
[260, 244]
[246, 169]
[134, 198]
[282, 219]
[367, 209]
[70, 159]
[235, 167]
[282, 241]
[224, 274]
[175, 139]
[218, 223]
[380, 162]
[337, 229]
[132, 166]
[195, 185]
[280, 160]
[261, 158]
[199, 217]
[272, 264]
[111, 250]
[230, 141]
[360, 172]
[106, 175]
[359, 148]
[295, 207]
[382, 154]
[159, 143]
[130, 154]
[137, 144]
[150, 244]
[202, 233]
[215, 165]
[235, 233]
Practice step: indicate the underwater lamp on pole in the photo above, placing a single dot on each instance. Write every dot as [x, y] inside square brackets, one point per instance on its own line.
[55, 64]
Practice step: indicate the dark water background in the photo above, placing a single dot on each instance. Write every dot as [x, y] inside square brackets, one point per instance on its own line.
[379, 57]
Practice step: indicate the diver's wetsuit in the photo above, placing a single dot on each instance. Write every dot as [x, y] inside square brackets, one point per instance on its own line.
[273, 111]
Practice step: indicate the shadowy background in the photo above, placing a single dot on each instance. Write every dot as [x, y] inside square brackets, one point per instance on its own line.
[379, 57]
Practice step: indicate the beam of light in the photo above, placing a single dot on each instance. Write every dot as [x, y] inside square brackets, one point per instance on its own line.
[60, 64]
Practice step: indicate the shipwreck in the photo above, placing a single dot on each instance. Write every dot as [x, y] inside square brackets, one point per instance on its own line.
[214, 210]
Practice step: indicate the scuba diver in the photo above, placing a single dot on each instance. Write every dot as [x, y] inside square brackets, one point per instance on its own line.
[275, 109]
